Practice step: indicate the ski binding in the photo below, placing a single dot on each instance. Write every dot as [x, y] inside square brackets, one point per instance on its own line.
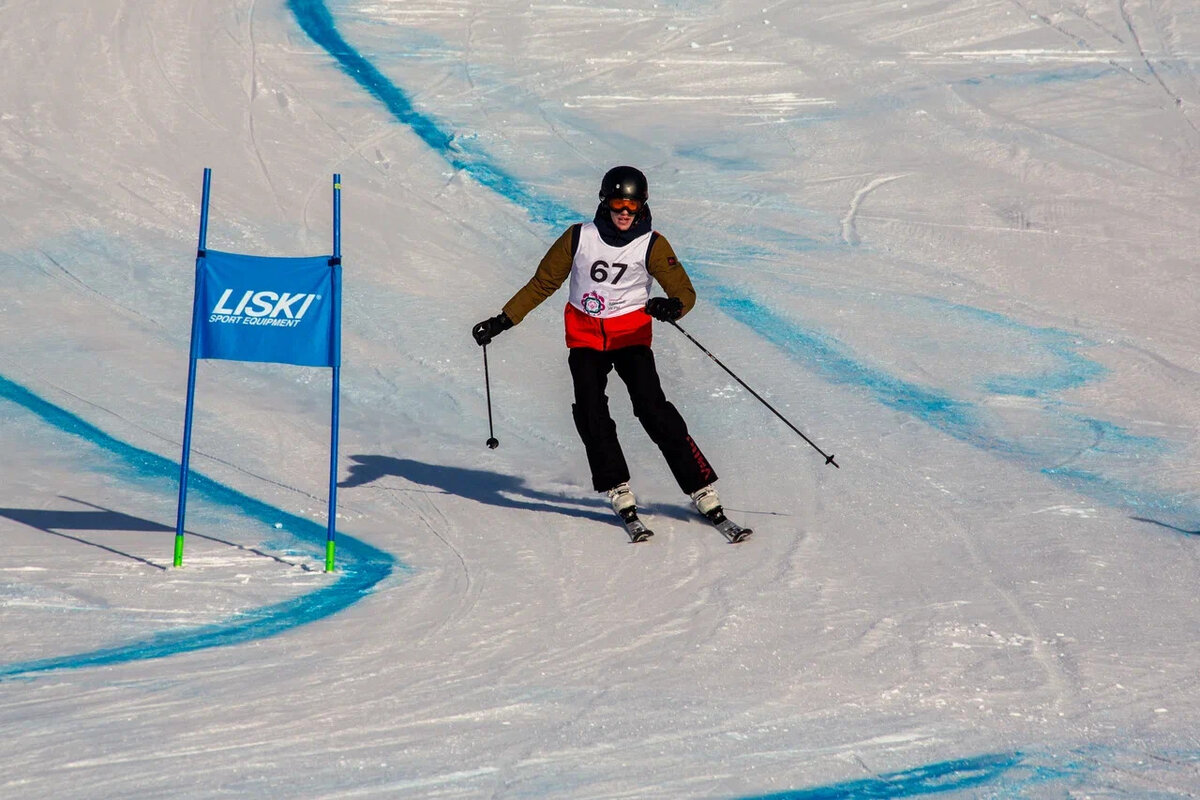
[730, 529]
[637, 530]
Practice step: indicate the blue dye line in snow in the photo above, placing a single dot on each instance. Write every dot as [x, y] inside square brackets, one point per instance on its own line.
[316, 21]
[958, 418]
[964, 420]
[1077, 371]
[936, 408]
[1011, 773]
[362, 567]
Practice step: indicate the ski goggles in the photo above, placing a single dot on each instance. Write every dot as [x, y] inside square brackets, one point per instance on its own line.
[624, 204]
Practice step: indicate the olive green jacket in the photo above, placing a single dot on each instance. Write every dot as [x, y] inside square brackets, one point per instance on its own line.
[555, 268]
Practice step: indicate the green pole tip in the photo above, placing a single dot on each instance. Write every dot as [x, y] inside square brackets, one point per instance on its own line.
[329, 556]
[178, 551]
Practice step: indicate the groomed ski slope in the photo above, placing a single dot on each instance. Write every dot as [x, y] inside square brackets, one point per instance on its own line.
[952, 240]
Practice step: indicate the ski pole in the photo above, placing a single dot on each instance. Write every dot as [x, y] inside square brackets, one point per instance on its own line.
[828, 458]
[487, 385]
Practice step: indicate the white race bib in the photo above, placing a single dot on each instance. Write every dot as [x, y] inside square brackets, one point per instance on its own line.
[609, 281]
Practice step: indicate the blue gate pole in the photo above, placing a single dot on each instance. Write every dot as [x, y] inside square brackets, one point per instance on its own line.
[335, 265]
[191, 384]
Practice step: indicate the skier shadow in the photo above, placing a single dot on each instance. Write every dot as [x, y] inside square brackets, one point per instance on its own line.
[482, 486]
[1176, 528]
[100, 518]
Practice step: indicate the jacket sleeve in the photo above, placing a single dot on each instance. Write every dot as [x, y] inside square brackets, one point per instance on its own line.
[670, 274]
[551, 272]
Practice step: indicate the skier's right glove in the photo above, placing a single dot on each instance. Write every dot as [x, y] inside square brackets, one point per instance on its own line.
[485, 331]
[665, 309]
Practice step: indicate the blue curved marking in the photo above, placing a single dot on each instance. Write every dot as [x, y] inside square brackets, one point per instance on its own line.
[1090, 456]
[363, 566]
[316, 21]
[962, 419]
[1012, 773]
[947, 776]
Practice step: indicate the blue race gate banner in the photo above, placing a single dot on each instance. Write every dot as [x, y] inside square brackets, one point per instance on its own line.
[258, 308]
[266, 308]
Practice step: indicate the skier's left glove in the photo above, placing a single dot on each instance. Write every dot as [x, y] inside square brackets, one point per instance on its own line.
[665, 309]
[485, 331]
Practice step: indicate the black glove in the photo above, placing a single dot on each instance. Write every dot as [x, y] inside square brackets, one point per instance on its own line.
[485, 331]
[665, 309]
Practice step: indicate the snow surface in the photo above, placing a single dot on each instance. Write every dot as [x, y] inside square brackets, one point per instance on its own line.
[953, 240]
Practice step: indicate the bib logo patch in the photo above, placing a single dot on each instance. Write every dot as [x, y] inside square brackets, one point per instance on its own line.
[593, 303]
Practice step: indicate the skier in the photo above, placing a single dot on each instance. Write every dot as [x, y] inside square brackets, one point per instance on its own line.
[611, 261]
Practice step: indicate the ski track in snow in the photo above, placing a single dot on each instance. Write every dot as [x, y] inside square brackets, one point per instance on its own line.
[362, 566]
[812, 348]
[809, 347]
[365, 566]
[830, 359]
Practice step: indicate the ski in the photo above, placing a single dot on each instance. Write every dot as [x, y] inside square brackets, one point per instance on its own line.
[637, 530]
[730, 529]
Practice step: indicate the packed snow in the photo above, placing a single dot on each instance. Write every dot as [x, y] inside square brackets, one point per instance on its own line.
[952, 241]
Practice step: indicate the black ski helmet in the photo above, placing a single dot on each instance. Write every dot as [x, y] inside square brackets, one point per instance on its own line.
[625, 182]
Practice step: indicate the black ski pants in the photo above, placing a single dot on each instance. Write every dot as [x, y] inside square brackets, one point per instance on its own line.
[635, 366]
